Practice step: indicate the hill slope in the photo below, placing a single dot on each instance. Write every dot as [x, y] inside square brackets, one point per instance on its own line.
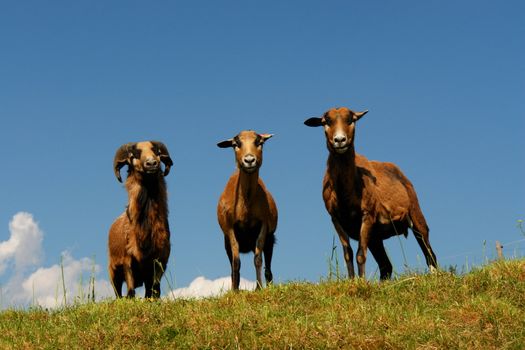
[481, 310]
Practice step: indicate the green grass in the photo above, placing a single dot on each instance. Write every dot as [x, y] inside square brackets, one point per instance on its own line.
[484, 309]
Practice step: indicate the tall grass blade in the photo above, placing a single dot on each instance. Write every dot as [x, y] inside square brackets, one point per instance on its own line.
[63, 279]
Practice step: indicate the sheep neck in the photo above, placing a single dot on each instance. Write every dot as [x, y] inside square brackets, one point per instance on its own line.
[247, 185]
[342, 169]
[147, 207]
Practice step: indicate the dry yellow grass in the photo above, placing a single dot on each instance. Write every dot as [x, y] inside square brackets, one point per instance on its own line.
[484, 309]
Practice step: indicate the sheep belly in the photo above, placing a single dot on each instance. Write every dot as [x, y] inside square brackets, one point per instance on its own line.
[246, 236]
[391, 229]
[384, 229]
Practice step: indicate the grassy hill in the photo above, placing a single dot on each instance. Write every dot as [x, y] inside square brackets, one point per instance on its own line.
[484, 309]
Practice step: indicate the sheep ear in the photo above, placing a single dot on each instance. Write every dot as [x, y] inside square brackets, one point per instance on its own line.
[121, 159]
[225, 144]
[358, 115]
[313, 122]
[265, 137]
[164, 156]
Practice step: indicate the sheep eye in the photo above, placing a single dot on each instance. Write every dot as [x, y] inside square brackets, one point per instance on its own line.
[327, 121]
[236, 142]
[135, 154]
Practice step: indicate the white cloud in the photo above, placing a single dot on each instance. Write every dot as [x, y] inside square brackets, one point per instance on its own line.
[45, 286]
[201, 287]
[29, 284]
[24, 246]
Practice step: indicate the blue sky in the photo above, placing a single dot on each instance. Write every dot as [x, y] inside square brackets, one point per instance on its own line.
[444, 83]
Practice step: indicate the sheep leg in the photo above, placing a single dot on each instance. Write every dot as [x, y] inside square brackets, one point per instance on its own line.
[130, 281]
[347, 249]
[152, 287]
[232, 250]
[424, 243]
[364, 237]
[156, 286]
[268, 253]
[156, 290]
[148, 286]
[378, 251]
[158, 271]
[257, 259]
[116, 278]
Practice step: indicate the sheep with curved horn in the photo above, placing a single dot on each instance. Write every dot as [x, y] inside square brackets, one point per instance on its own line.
[139, 239]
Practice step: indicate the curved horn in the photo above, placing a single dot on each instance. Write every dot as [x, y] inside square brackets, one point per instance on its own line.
[164, 156]
[121, 159]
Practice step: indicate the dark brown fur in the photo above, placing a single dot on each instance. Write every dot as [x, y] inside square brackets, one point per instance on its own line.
[368, 201]
[246, 211]
[139, 239]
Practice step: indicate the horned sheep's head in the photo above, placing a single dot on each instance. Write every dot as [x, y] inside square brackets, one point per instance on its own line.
[143, 157]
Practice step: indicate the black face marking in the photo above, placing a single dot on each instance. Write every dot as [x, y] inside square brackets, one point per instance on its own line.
[237, 142]
[258, 140]
[136, 152]
[327, 120]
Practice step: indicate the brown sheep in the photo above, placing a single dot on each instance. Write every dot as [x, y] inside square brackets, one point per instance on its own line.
[368, 201]
[139, 239]
[246, 210]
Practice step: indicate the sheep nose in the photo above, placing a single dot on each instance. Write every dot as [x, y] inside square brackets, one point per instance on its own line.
[249, 159]
[151, 163]
[339, 139]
